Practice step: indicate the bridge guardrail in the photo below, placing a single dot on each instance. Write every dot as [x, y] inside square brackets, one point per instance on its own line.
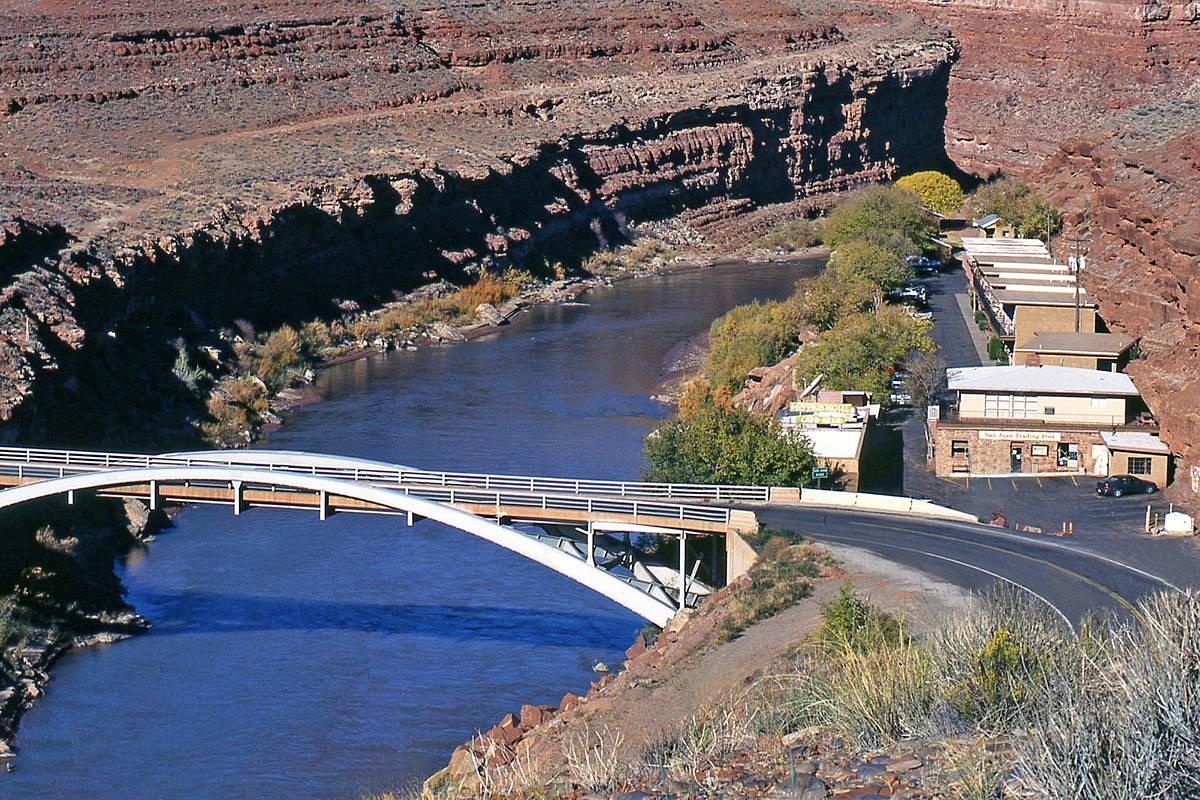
[447, 494]
[532, 485]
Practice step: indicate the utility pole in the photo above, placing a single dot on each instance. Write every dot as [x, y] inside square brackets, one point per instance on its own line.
[1077, 261]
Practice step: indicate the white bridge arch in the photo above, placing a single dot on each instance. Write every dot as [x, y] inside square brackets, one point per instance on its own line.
[614, 587]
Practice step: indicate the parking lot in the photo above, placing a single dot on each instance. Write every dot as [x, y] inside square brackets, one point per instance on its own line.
[1112, 526]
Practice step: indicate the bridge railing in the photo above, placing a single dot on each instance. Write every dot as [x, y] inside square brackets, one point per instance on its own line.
[696, 493]
[633, 507]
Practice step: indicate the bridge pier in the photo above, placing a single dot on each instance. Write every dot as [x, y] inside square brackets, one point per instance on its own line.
[323, 506]
[682, 570]
[238, 500]
[154, 495]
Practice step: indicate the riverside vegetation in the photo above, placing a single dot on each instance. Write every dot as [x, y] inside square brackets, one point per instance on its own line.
[1004, 700]
[844, 330]
[264, 364]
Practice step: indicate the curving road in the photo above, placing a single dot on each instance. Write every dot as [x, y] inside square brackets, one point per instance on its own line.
[1075, 582]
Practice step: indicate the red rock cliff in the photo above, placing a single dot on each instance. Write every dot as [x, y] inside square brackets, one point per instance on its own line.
[1035, 72]
[256, 160]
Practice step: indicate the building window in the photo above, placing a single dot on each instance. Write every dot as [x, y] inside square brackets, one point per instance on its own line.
[1039, 450]
[1068, 455]
[1139, 465]
[958, 447]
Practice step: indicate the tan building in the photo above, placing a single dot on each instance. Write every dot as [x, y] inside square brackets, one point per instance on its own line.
[1106, 351]
[1042, 420]
[1021, 291]
[836, 427]
[1137, 453]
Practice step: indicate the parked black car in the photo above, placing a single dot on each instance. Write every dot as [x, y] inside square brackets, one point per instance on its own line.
[1117, 485]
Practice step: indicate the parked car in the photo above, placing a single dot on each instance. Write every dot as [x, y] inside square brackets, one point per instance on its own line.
[901, 397]
[923, 261]
[909, 293]
[1117, 485]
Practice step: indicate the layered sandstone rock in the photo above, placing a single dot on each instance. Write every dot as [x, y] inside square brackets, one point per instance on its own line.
[1034, 72]
[1132, 193]
[257, 161]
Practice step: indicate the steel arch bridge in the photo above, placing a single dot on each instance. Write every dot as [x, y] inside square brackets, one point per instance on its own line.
[585, 525]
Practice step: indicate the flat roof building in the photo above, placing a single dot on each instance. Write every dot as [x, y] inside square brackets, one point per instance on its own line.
[1021, 291]
[1044, 420]
[1106, 351]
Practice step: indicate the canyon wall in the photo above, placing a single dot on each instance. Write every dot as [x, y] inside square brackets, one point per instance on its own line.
[166, 172]
[1035, 72]
[1132, 192]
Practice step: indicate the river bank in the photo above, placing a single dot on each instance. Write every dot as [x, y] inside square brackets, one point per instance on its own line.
[650, 725]
[423, 640]
[642, 260]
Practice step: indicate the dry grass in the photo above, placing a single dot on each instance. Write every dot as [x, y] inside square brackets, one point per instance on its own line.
[704, 740]
[594, 759]
[780, 578]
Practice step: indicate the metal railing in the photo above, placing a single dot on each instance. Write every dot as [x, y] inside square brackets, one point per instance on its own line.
[49, 464]
[397, 476]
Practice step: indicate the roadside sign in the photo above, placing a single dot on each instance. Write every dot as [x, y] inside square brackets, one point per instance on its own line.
[820, 472]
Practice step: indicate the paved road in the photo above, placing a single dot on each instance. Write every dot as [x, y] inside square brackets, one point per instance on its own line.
[1076, 582]
[1108, 527]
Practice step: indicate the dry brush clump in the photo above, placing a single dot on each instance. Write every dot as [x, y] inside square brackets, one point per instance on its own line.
[1109, 712]
[781, 577]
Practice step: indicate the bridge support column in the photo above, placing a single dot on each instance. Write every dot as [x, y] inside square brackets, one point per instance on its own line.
[71, 497]
[682, 569]
[591, 545]
[154, 495]
[236, 486]
[323, 502]
[413, 519]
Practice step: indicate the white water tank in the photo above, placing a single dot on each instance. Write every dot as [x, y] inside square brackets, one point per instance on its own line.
[1178, 522]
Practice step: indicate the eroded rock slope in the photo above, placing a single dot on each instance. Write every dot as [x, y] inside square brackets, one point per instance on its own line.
[169, 169]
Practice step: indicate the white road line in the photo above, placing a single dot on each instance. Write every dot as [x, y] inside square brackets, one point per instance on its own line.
[861, 543]
[986, 530]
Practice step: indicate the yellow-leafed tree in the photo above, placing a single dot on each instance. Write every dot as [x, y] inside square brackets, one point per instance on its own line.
[937, 191]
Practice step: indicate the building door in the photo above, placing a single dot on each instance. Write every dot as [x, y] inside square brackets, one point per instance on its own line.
[1016, 458]
[1099, 460]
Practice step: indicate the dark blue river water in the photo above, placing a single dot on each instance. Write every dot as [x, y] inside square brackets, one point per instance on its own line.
[300, 659]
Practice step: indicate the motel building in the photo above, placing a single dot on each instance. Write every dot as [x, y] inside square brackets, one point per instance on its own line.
[835, 424]
[1023, 293]
[1044, 420]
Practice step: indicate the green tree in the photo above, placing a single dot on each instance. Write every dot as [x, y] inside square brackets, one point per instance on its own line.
[828, 299]
[718, 443]
[751, 336]
[936, 190]
[861, 259]
[1015, 202]
[881, 208]
[859, 351]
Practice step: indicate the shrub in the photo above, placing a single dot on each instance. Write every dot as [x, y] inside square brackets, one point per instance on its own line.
[995, 350]
[275, 360]
[750, 336]
[849, 622]
[882, 208]
[1018, 204]
[721, 444]
[793, 234]
[234, 407]
[980, 320]
[936, 191]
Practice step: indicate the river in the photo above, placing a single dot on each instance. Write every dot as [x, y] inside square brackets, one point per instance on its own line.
[300, 659]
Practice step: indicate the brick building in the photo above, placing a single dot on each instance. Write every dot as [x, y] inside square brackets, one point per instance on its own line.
[1044, 420]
